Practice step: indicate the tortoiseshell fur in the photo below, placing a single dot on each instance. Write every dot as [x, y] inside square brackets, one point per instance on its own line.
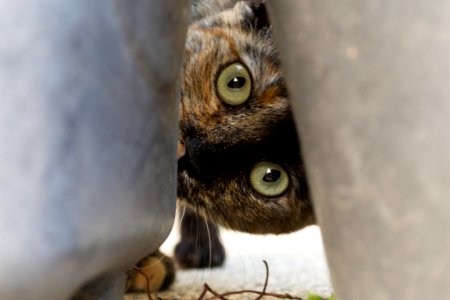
[221, 143]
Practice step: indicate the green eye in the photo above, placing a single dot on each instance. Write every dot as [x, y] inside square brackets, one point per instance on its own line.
[269, 179]
[234, 84]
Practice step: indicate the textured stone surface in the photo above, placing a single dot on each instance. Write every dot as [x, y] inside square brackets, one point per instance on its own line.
[369, 84]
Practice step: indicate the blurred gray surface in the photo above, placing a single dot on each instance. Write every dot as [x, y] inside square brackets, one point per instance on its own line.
[88, 126]
[88, 93]
[369, 80]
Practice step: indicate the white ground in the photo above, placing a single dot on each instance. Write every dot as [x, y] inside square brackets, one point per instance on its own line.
[296, 262]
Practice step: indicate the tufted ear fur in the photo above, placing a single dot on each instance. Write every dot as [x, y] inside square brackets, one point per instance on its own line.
[251, 13]
[260, 19]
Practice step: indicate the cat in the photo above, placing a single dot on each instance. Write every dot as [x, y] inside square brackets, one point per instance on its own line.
[239, 162]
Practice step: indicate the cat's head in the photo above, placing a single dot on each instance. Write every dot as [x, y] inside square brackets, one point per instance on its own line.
[240, 162]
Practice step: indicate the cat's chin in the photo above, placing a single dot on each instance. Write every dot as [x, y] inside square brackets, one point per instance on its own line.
[272, 226]
[188, 188]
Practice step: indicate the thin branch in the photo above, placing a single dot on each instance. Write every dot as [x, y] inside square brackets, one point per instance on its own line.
[216, 294]
[273, 295]
[207, 288]
[147, 279]
[203, 294]
[266, 281]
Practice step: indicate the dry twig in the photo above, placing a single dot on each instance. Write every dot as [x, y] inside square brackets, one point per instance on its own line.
[207, 288]
[216, 295]
[147, 279]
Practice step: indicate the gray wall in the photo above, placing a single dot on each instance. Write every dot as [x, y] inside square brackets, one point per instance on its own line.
[369, 84]
[88, 93]
[88, 128]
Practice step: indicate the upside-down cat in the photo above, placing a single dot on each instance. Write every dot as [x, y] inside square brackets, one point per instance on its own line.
[239, 158]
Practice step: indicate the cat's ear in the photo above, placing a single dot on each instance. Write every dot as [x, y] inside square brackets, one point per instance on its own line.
[206, 8]
[259, 18]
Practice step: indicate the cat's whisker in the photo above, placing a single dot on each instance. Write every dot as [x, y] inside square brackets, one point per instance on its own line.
[158, 261]
[222, 219]
[200, 239]
[197, 215]
[209, 243]
[183, 211]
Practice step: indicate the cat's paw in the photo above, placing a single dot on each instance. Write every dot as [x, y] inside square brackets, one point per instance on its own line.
[190, 253]
[155, 272]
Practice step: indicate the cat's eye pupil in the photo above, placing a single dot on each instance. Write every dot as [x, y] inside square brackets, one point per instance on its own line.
[236, 83]
[269, 179]
[271, 175]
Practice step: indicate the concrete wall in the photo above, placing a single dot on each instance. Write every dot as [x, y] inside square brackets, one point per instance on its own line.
[88, 127]
[88, 110]
[369, 84]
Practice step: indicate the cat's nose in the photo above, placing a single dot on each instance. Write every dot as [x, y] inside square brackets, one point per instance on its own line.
[193, 145]
[190, 156]
[193, 148]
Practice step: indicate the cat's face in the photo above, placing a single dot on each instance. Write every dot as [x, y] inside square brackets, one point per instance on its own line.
[240, 162]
